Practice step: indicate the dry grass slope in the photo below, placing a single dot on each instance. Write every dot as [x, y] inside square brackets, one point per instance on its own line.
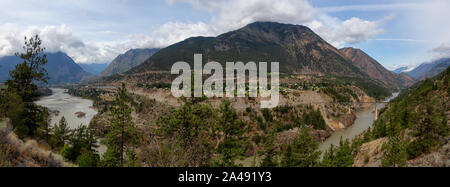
[16, 153]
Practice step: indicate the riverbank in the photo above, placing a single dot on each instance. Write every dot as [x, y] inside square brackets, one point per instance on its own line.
[60, 104]
[77, 111]
[364, 120]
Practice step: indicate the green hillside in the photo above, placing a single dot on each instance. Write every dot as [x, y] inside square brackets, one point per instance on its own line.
[415, 124]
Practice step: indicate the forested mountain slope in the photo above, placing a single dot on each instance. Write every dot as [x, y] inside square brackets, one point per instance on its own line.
[415, 127]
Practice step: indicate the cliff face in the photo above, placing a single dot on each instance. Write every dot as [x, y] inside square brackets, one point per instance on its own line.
[339, 116]
[370, 154]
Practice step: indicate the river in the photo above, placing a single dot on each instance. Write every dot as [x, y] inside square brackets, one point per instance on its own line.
[68, 106]
[364, 120]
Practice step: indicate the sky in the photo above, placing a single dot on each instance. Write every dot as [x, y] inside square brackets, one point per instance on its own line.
[394, 32]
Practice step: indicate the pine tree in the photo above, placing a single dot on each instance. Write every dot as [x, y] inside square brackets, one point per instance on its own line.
[269, 159]
[122, 133]
[305, 151]
[23, 81]
[340, 156]
[25, 75]
[88, 159]
[232, 129]
[10, 105]
[61, 132]
[314, 119]
[111, 158]
[132, 159]
[427, 132]
[80, 147]
[45, 129]
[269, 151]
[406, 117]
[443, 128]
[344, 154]
[395, 154]
[288, 159]
[192, 127]
[329, 157]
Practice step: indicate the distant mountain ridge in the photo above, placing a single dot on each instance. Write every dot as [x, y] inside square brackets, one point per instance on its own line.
[94, 68]
[428, 70]
[128, 60]
[440, 66]
[401, 69]
[375, 70]
[60, 68]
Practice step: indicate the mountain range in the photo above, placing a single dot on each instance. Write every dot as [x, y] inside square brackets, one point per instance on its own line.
[401, 69]
[60, 68]
[128, 60]
[429, 70]
[94, 68]
[298, 49]
[426, 70]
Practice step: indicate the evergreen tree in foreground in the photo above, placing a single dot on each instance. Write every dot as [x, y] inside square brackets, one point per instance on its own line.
[427, 134]
[61, 133]
[22, 82]
[233, 130]
[340, 156]
[270, 153]
[395, 154]
[303, 152]
[192, 127]
[80, 147]
[25, 75]
[122, 134]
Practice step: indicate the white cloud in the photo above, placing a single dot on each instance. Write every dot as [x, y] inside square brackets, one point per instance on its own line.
[355, 30]
[228, 15]
[108, 32]
[61, 38]
[401, 40]
[236, 13]
[173, 32]
[54, 39]
[442, 51]
[9, 42]
[351, 31]
[372, 7]
[409, 67]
